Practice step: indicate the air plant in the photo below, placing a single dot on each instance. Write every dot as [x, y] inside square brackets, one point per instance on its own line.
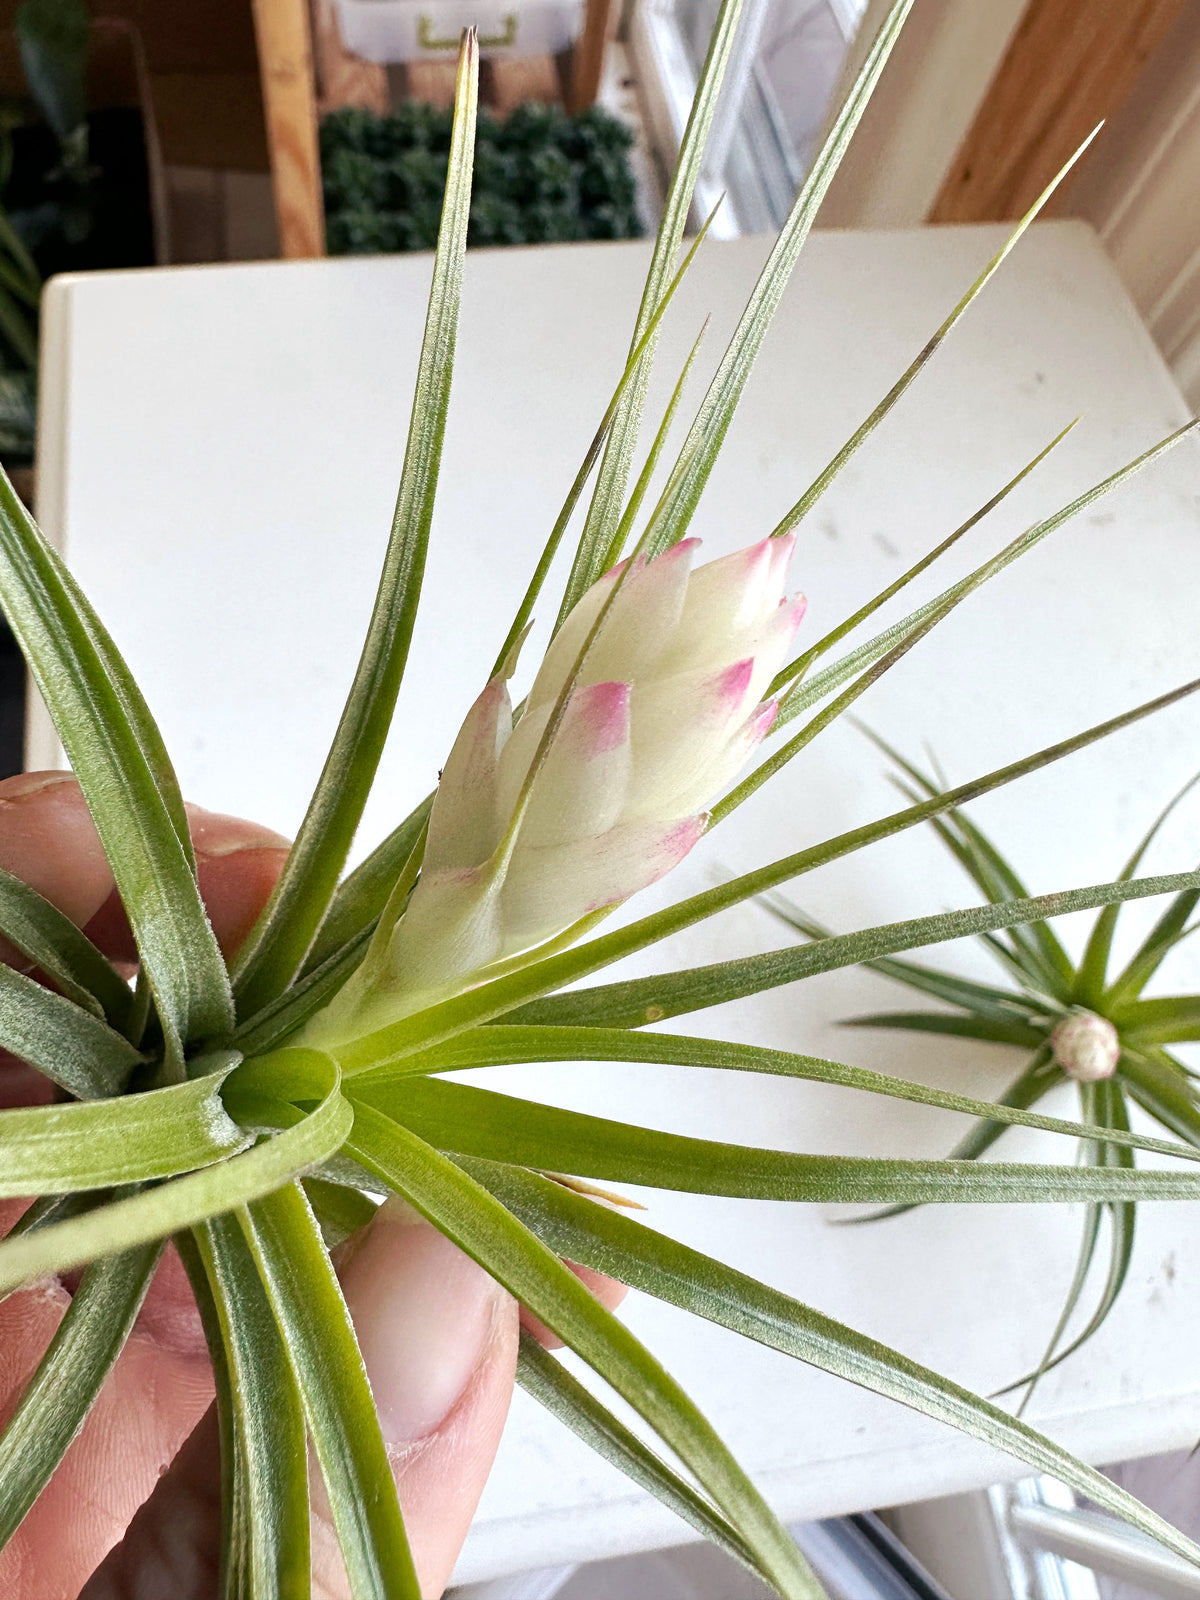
[251, 1112]
[1078, 1022]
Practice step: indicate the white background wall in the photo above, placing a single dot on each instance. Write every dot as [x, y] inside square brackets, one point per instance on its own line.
[1139, 186]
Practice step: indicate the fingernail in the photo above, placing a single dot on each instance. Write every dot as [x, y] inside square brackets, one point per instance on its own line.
[27, 783]
[214, 834]
[424, 1314]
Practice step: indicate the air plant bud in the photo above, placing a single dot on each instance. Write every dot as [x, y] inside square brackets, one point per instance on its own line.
[665, 711]
[1086, 1046]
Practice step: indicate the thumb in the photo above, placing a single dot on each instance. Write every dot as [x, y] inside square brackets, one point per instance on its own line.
[439, 1338]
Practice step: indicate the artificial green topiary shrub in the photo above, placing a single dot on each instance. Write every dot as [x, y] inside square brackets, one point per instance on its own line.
[540, 177]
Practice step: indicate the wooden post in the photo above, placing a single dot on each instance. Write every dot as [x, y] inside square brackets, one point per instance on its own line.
[290, 106]
[1070, 63]
[588, 60]
[343, 79]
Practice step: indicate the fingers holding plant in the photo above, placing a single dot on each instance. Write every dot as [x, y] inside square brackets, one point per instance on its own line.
[438, 1336]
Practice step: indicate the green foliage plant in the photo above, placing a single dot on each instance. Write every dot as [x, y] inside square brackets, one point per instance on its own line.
[53, 38]
[20, 297]
[238, 1109]
[1086, 1022]
[541, 177]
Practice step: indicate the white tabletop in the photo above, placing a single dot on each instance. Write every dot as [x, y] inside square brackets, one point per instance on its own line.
[220, 452]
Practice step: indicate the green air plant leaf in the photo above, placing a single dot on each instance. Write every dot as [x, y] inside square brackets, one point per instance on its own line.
[73, 1047]
[670, 518]
[112, 745]
[1107, 1105]
[279, 944]
[596, 540]
[485, 1230]
[182, 1202]
[56, 948]
[634, 1254]
[318, 1339]
[99, 1144]
[540, 1375]
[69, 1376]
[179, 1116]
[471, 1121]
[408, 1084]
[266, 1546]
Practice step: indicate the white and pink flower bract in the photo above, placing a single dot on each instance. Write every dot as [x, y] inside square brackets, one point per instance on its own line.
[665, 711]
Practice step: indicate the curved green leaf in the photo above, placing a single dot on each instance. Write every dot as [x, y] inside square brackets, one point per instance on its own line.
[1107, 1105]
[114, 749]
[61, 951]
[1044, 961]
[1167, 1019]
[1093, 967]
[1170, 928]
[318, 1340]
[1160, 1087]
[184, 1202]
[100, 1144]
[71, 1046]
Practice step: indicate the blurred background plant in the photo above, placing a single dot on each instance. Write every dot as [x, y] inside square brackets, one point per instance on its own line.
[1086, 1022]
[74, 189]
[541, 176]
[75, 178]
[20, 291]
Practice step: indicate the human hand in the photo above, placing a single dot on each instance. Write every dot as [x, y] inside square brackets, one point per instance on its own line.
[438, 1336]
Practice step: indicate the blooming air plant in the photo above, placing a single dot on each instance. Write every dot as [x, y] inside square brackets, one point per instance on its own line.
[1086, 1022]
[256, 1113]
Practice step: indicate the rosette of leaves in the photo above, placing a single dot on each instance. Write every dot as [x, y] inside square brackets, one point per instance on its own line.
[1086, 1022]
[254, 1114]
[540, 177]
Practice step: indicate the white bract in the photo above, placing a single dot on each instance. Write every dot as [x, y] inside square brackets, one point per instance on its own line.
[665, 709]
